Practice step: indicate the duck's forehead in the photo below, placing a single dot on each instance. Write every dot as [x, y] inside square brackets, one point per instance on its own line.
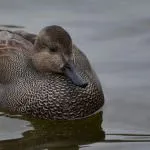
[57, 38]
[44, 37]
[61, 37]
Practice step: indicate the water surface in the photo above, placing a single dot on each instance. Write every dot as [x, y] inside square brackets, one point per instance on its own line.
[115, 35]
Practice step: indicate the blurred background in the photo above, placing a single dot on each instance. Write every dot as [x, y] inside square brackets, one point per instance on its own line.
[115, 36]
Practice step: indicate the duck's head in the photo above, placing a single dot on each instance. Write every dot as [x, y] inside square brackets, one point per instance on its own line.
[53, 53]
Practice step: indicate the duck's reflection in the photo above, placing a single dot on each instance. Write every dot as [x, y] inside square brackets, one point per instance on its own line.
[59, 134]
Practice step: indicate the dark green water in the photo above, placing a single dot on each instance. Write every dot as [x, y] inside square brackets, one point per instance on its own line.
[42, 134]
[115, 35]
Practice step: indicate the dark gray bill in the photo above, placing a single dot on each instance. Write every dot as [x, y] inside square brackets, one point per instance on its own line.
[70, 71]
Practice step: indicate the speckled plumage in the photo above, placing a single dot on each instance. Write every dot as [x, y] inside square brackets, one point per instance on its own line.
[45, 95]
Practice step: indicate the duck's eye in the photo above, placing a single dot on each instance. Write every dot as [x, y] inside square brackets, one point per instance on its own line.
[53, 49]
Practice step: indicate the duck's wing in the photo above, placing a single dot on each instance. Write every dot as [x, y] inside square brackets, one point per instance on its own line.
[11, 39]
[28, 36]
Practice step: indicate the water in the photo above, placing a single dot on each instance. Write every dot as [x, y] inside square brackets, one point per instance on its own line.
[115, 35]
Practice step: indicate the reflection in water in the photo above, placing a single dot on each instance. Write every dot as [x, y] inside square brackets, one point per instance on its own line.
[59, 134]
[127, 137]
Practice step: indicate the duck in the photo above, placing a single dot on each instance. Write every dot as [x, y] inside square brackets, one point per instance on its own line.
[46, 76]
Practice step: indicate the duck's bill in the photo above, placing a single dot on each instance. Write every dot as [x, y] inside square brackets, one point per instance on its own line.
[70, 71]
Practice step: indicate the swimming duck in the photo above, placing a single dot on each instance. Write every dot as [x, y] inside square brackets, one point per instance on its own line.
[48, 78]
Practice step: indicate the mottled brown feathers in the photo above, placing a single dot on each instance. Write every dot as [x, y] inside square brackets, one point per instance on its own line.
[49, 95]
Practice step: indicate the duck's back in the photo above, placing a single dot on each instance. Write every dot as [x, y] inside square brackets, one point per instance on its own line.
[11, 39]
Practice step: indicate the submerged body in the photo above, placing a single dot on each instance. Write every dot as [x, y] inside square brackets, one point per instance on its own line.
[48, 95]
